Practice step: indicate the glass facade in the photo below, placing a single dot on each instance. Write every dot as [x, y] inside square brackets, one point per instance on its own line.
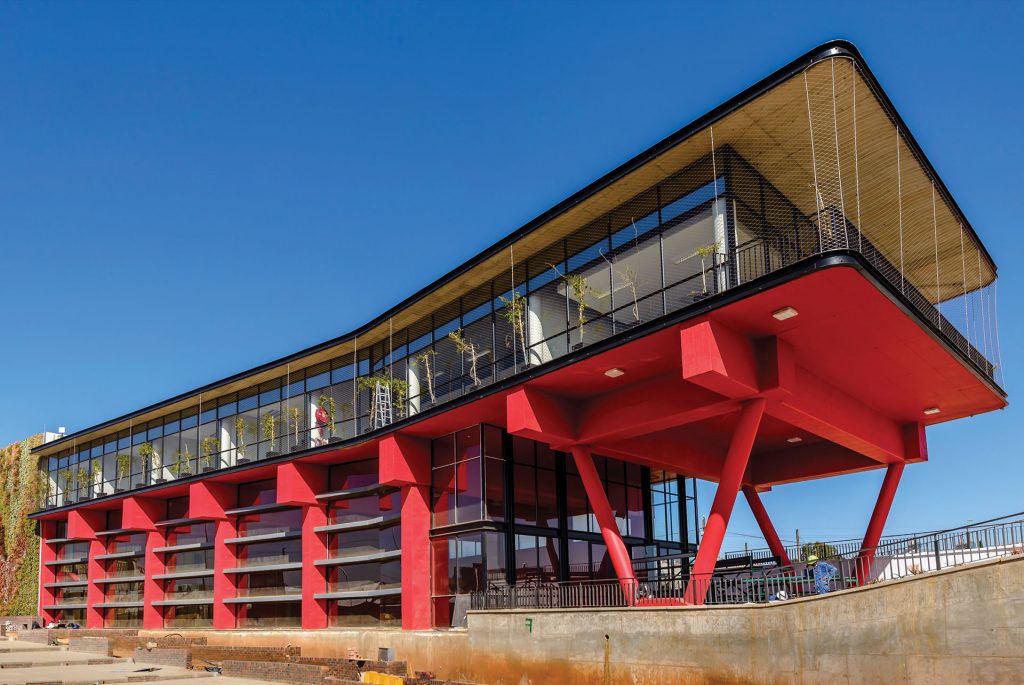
[518, 513]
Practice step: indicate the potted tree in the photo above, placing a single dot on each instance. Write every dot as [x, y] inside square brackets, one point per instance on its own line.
[294, 417]
[124, 468]
[706, 252]
[82, 482]
[515, 313]
[580, 289]
[208, 446]
[97, 476]
[151, 462]
[240, 429]
[183, 467]
[426, 361]
[466, 347]
[66, 474]
[268, 426]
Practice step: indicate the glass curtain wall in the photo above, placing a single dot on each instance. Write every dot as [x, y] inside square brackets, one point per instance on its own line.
[511, 510]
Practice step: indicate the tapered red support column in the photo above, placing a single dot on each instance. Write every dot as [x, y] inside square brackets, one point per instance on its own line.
[725, 498]
[877, 523]
[617, 551]
[314, 578]
[765, 523]
[224, 583]
[47, 574]
[94, 594]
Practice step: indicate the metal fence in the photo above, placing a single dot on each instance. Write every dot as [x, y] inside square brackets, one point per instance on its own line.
[895, 558]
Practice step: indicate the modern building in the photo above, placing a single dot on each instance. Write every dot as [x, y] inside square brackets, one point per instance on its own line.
[783, 290]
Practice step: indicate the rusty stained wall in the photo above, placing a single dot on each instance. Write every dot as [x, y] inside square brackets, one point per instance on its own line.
[963, 626]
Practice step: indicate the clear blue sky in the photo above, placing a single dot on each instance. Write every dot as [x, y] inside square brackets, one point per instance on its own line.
[179, 180]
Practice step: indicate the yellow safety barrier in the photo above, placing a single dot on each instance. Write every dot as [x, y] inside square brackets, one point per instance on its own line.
[381, 678]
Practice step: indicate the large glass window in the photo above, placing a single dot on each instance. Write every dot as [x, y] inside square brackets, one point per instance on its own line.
[123, 617]
[274, 552]
[282, 521]
[369, 612]
[270, 583]
[189, 588]
[202, 533]
[473, 561]
[188, 616]
[257, 493]
[191, 560]
[269, 615]
[457, 478]
[371, 576]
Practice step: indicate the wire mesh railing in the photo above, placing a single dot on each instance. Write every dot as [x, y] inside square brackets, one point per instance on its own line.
[893, 559]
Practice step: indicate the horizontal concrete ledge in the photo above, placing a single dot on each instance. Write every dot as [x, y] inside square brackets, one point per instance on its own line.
[67, 583]
[198, 573]
[178, 522]
[359, 558]
[291, 566]
[183, 602]
[257, 509]
[187, 547]
[263, 599]
[122, 579]
[353, 493]
[118, 531]
[119, 605]
[264, 537]
[376, 522]
[57, 541]
[121, 555]
[67, 561]
[359, 594]
[58, 607]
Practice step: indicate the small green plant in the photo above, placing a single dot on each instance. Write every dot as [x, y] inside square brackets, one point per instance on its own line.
[268, 426]
[426, 359]
[97, 471]
[706, 252]
[124, 465]
[294, 416]
[466, 347]
[326, 402]
[208, 446]
[580, 289]
[182, 467]
[515, 313]
[83, 476]
[240, 429]
[66, 475]
[148, 455]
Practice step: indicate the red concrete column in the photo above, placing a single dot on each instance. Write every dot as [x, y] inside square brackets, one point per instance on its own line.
[765, 523]
[877, 523]
[224, 585]
[405, 462]
[725, 498]
[94, 596]
[153, 590]
[416, 566]
[606, 519]
[314, 578]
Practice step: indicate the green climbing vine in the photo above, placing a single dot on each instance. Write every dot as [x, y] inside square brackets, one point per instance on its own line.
[20, 487]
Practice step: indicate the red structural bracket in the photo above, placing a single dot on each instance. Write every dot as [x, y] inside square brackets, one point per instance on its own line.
[765, 523]
[877, 522]
[606, 520]
[725, 498]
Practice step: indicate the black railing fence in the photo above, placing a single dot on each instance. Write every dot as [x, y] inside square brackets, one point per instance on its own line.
[895, 558]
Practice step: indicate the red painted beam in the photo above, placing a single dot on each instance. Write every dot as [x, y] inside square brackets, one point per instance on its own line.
[647, 407]
[824, 410]
[531, 413]
[719, 359]
[298, 483]
[606, 520]
[208, 500]
[877, 522]
[725, 498]
[765, 524]
[404, 460]
[142, 513]
[805, 462]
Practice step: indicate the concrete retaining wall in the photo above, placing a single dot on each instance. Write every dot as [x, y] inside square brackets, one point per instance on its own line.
[962, 626]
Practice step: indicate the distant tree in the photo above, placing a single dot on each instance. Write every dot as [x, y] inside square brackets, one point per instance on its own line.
[822, 550]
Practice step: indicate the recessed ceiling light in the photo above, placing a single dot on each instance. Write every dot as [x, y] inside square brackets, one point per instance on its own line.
[931, 410]
[785, 313]
[614, 373]
[795, 438]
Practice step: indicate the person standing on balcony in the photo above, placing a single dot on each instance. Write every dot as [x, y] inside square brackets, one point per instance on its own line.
[823, 573]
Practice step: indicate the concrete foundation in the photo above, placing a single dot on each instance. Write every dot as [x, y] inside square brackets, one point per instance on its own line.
[962, 626]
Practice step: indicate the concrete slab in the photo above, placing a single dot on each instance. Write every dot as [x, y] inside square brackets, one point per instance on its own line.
[123, 672]
[53, 657]
[221, 680]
